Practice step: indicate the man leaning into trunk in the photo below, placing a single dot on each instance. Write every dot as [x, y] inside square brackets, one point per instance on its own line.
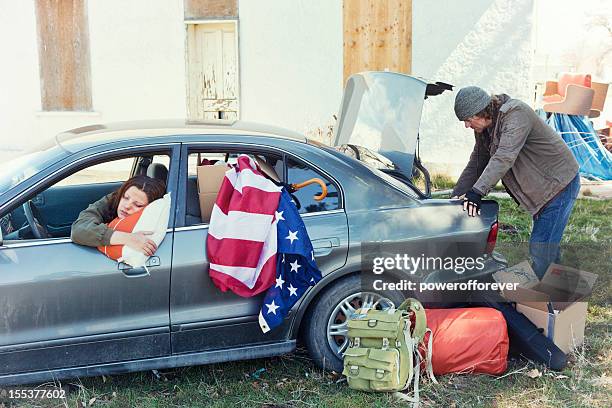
[514, 144]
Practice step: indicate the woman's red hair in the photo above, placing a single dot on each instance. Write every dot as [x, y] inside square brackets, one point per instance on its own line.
[153, 188]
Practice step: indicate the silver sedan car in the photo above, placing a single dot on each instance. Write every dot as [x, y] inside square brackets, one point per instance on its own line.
[67, 311]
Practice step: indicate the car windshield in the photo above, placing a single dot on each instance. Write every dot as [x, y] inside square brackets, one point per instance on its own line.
[27, 165]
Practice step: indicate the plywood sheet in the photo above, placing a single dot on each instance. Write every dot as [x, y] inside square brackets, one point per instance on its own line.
[63, 49]
[207, 9]
[377, 36]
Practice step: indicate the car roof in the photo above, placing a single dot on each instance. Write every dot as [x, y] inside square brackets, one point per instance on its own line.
[111, 132]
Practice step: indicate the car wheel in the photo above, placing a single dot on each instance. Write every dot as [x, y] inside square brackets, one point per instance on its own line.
[325, 329]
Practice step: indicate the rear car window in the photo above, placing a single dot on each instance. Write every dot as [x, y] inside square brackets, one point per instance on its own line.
[298, 173]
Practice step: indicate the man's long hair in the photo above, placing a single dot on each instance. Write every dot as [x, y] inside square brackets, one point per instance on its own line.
[491, 110]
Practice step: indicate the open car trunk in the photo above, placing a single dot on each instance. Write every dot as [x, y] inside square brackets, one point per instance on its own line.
[378, 124]
[379, 121]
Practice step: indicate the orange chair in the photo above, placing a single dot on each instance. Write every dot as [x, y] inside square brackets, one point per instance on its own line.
[571, 94]
[601, 91]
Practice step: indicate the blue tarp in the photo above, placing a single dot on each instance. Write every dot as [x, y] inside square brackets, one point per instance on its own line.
[582, 139]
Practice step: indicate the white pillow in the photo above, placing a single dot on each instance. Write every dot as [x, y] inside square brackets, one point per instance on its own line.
[154, 218]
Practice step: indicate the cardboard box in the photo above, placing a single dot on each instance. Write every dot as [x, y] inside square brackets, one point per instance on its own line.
[210, 178]
[555, 304]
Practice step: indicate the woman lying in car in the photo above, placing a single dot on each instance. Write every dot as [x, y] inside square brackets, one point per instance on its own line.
[91, 229]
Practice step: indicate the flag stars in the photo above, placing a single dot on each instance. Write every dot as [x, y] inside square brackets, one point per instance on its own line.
[292, 290]
[272, 307]
[279, 282]
[294, 266]
[278, 215]
[312, 255]
[292, 236]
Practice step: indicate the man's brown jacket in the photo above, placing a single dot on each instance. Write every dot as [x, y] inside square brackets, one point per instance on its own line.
[519, 148]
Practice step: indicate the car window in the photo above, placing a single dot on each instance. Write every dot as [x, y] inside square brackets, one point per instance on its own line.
[108, 172]
[201, 194]
[57, 206]
[162, 159]
[194, 160]
[298, 173]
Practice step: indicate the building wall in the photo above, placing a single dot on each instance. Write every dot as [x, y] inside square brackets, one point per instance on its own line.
[137, 59]
[482, 42]
[137, 69]
[19, 75]
[290, 60]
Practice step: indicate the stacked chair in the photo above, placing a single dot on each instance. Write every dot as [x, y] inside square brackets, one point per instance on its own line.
[575, 94]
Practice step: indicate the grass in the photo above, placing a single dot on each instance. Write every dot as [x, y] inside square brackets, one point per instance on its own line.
[294, 381]
[440, 182]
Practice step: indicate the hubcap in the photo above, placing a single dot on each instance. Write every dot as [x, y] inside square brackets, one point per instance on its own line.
[337, 327]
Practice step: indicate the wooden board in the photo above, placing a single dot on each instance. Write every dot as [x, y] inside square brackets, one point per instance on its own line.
[63, 50]
[212, 69]
[206, 9]
[377, 36]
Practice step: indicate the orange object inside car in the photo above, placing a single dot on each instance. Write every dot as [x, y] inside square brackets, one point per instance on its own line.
[126, 224]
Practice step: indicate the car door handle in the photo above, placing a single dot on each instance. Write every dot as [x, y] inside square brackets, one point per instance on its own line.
[324, 246]
[131, 272]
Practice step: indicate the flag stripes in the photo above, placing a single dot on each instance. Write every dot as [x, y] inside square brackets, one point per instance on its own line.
[241, 243]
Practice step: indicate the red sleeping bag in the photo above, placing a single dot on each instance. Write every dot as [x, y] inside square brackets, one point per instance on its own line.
[470, 340]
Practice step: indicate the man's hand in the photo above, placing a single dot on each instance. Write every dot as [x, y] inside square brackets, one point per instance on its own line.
[472, 202]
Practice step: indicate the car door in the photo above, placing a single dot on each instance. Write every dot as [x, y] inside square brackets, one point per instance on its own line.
[204, 318]
[65, 305]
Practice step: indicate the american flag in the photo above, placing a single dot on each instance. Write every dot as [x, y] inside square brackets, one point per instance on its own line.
[296, 269]
[241, 243]
[257, 241]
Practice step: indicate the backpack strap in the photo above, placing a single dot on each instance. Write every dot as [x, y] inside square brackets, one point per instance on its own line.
[415, 399]
[428, 358]
[412, 343]
[420, 320]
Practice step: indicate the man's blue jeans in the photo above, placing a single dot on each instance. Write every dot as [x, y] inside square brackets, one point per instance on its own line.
[548, 227]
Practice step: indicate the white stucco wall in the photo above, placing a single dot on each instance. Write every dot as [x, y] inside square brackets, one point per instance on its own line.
[290, 58]
[291, 62]
[137, 59]
[487, 43]
[19, 76]
[137, 51]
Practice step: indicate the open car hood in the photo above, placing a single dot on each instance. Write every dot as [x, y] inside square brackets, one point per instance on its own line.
[381, 111]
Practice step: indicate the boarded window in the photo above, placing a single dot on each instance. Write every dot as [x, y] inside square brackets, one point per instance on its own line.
[206, 9]
[212, 66]
[63, 49]
[377, 36]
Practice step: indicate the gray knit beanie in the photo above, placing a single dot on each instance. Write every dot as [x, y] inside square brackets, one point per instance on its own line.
[470, 101]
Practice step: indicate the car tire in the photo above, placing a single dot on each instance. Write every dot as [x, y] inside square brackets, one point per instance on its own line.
[318, 327]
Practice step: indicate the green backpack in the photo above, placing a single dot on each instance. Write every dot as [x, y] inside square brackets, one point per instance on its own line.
[383, 350]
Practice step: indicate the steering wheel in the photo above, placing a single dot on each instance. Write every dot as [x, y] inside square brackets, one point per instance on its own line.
[32, 214]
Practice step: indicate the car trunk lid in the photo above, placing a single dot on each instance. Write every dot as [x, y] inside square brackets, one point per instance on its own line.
[381, 111]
